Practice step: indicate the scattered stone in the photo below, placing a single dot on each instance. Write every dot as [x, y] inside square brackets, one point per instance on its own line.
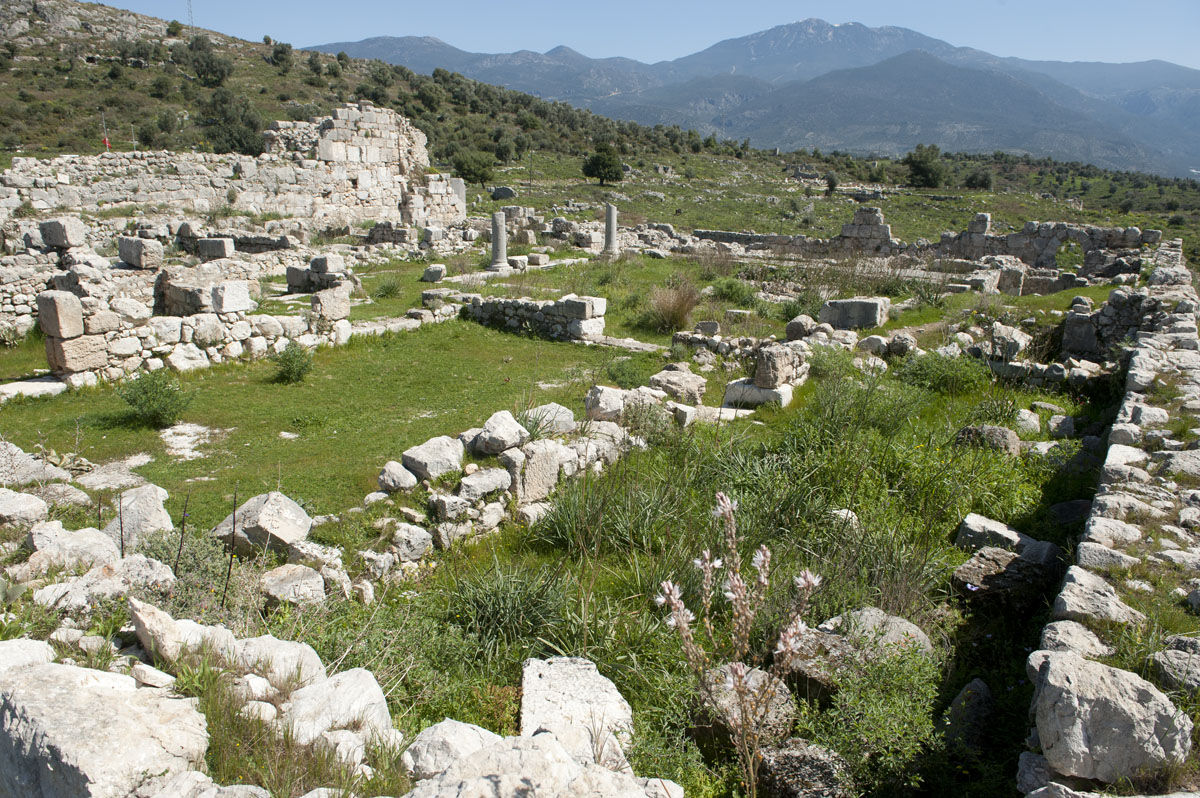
[774, 709]
[799, 769]
[395, 477]
[876, 626]
[350, 699]
[989, 436]
[267, 521]
[21, 509]
[140, 513]
[435, 457]
[441, 745]
[1074, 636]
[284, 663]
[1086, 596]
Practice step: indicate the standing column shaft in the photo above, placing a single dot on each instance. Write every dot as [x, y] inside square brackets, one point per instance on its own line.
[499, 240]
[610, 229]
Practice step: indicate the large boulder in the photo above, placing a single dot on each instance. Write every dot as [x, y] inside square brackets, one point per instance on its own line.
[140, 512]
[435, 457]
[18, 468]
[267, 521]
[67, 731]
[169, 639]
[681, 384]
[78, 594]
[568, 697]
[351, 699]
[487, 480]
[23, 651]
[989, 436]
[1103, 723]
[857, 313]
[292, 584]
[441, 745]
[528, 766]
[549, 419]
[64, 232]
[60, 314]
[395, 477]
[771, 706]
[995, 575]
[55, 547]
[1086, 596]
[140, 253]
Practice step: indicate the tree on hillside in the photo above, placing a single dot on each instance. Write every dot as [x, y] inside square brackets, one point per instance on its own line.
[831, 183]
[925, 167]
[474, 166]
[314, 63]
[980, 179]
[281, 56]
[231, 124]
[604, 165]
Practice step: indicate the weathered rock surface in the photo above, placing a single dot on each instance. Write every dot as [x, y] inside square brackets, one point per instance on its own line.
[799, 769]
[55, 547]
[434, 458]
[501, 431]
[773, 709]
[1086, 596]
[1099, 722]
[568, 697]
[284, 663]
[396, 477]
[67, 731]
[876, 626]
[20, 509]
[141, 513]
[293, 584]
[267, 521]
[20, 652]
[106, 581]
[439, 746]
[350, 699]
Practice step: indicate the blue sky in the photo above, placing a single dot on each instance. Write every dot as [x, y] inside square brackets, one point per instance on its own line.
[653, 30]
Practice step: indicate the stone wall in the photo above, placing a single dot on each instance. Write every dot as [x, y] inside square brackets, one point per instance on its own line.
[576, 318]
[362, 163]
[22, 278]
[1143, 514]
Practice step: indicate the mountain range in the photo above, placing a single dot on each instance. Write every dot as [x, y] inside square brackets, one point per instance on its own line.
[860, 89]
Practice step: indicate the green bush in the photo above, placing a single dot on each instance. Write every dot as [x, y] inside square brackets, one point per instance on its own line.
[293, 364]
[624, 373]
[880, 720]
[953, 376]
[738, 292]
[156, 397]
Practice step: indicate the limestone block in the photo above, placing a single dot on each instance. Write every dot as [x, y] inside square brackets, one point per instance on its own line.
[60, 314]
[569, 698]
[232, 296]
[64, 232]
[332, 304]
[435, 457]
[857, 313]
[141, 253]
[85, 353]
[330, 263]
[214, 248]
[269, 520]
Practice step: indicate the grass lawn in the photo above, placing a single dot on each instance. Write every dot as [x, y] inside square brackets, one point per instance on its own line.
[363, 404]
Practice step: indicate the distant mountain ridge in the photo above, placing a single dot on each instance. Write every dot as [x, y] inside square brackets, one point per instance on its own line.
[812, 83]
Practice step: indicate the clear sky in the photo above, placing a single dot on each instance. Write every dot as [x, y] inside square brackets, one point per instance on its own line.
[655, 30]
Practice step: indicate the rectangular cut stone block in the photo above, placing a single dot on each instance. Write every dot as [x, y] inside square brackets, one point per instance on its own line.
[328, 264]
[857, 313]
[583, 307]
[63, 233]
[85, 353]
[60, 314]
[214, 248]
[232, 296]
[142, 253]
[332, 304]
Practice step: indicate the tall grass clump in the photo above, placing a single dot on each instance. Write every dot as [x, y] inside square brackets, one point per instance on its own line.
[293, 364]
[671, 305]
[505, 608]
[156, 398]
[388, 288]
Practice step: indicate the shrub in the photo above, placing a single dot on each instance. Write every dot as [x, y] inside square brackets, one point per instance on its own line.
[925, 167]
[731, 289]
[980, 179]
[292, 364]
[624, 373]
[953, 376]
[604, 165]
[671, 305]
[156, 397]
[881, 719]
[474, 166]
[174, 28]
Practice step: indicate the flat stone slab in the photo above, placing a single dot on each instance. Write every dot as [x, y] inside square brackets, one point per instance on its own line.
[35, 388]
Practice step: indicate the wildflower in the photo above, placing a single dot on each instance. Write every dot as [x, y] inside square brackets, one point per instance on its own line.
[726, 506]
[806, 581]
[670, 595]
[762, 559]
[706, 561]
[681, 618]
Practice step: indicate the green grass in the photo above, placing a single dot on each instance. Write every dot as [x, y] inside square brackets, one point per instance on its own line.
[363, 404]
[26, 359]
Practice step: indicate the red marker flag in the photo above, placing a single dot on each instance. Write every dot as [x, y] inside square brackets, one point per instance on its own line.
[106, 143]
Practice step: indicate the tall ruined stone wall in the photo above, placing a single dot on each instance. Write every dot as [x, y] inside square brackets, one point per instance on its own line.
[360, 164]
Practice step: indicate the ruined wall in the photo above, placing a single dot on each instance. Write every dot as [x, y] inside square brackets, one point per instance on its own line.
[569, 318]
[360, 164]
